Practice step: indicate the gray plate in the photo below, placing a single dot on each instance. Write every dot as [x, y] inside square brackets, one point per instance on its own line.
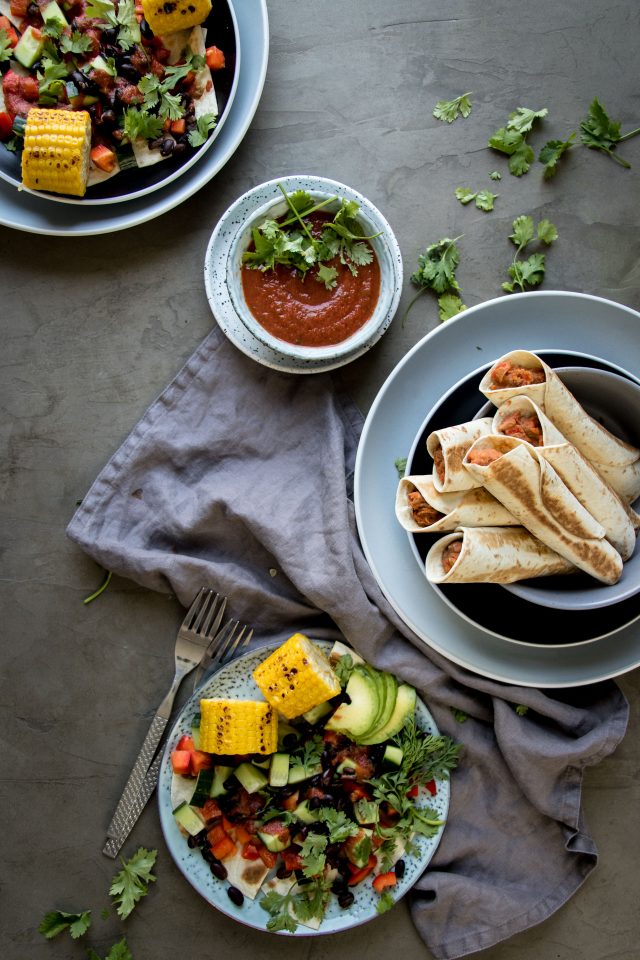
[546, 320]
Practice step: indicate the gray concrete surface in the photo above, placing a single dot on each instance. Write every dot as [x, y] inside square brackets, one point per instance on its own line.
[92, 329]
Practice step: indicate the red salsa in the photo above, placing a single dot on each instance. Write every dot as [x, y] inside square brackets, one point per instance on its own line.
[301, 310]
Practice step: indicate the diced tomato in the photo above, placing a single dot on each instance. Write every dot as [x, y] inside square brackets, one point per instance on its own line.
[242, 835]
[6, 126]
[356, 791]
[19, 8]
[105, 159]
[211, 809]
[12, 36]
[384, 880]
[186, 743]
[216, 833]
[228, 826]
[200, 761]
[269, 859]
[358, 874]
[292, 859]
[290, 803]
[430, 785]
[224, 848]
[413, 792]
[251, 850]
[181, 761]
[178, 126]
[214, 58]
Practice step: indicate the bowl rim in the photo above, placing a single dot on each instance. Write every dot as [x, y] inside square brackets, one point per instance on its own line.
[390, 291]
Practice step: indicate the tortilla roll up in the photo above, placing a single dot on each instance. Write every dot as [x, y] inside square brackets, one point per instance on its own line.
[617, 461]
[447, 448]
[520, 478]
[434, 512]
[521, 417]
[491, 555]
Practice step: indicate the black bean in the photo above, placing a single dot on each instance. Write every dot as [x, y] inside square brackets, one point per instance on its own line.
[218, 870]
[339, 885]
[146, 30]
[399, 868]
[179, 149]
[345, 899]
[282, 873]
[129, 71]
[192, 842]
[110, 35]
[80, 81]
[33, 11]
[315, 802]
[168, 146]
[289, 741]
[108, 119]
[207, 855]
[235, 896]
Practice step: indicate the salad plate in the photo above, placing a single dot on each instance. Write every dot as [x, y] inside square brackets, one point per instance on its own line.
[549, 320]
[234, 681]
[25, 211]
[216, 271]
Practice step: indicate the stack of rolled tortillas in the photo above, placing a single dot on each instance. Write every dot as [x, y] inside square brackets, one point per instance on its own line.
[540, 488]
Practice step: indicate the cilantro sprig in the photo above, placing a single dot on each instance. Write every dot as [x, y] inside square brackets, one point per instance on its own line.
[298, 903]
[132, 882]
[512, 139]
[484, 198]
[6, 50]
[54, 922]
[529, 272]
[450, 110]
[200, 133]
[437, 271]
[119, 951]
[598, 132]
[292, 243]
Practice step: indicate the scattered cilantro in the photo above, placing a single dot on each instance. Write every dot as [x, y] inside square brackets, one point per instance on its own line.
[598, 132]
[102, 10]
[305, 903]
[551, 153]
[511, 139]
[484, 198]
[338, 824]
[119, 951]
[495, 175]
[385, 902]
[522, 710]
[56, 921]
[312, 854]
[344, 668]
[200, 133]
[103, 586]
[459, 715]
[450, 110]
[129, 32]
[530, 272]
[437, 271]
[51, 80]
[138, 123]
[131, 883]
[400, 465]
[6, 50]
[75, 43]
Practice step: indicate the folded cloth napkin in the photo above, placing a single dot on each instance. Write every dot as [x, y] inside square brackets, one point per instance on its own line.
[238, 477]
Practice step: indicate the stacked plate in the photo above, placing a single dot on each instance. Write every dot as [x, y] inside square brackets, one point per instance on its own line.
[543, 647]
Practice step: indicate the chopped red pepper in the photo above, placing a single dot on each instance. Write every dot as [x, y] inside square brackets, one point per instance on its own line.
[384, 880]
[430, 785]
[181, 761]
[250, 851]
[358, 874]
[214, 58]
[200, 761]
[225, 847]
[6, 125]
[268, 858]
[292, 859]
[413, 792]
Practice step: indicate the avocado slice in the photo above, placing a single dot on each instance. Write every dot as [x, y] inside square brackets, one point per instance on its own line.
[404, 708]
[358, 716]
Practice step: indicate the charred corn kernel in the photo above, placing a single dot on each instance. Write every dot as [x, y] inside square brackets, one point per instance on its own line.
[296, 677]
[238, 726]
[55, 156]
[173, 15]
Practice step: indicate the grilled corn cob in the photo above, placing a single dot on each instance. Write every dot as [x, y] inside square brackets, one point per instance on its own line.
[56, 149]
[296, 677]
[169, 16]
[238, 726]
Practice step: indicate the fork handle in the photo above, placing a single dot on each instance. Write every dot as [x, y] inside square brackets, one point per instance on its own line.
[137, 775]
[114, 844]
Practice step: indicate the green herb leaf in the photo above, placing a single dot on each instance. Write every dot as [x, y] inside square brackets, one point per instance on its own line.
[385, 902]
[450, 110]
[56, 921]
[132, 882]
[277, 905]
[522, 710]
[102, 10]
[522, 119]
[546, 232]
[200, 133]
[138, 123]
[119, 951]
[551, 153]
[328, 276]
[449, 305]
[511, 139]
[522, 231]
[76, 43]
[598, 132]
[485, 200]
[464, 195]
[339, 825]
[521, 159]
[437, 266]
[6, 50]
[129, 32]
[495, 175]
[312, 853]
[400, 465]
[459, 715]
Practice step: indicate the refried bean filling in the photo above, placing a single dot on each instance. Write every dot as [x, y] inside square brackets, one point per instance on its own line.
[450, 554]
[523, 426]
[423, 513]
[508, 374]
[483, 456]
[438, 462]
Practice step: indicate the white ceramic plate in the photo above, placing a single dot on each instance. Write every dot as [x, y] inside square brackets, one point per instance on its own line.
[215, 275]
[542, 320]
[30, 213]
[235, 681]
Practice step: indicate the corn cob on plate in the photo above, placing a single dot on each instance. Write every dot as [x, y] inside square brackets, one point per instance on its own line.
[239, 889]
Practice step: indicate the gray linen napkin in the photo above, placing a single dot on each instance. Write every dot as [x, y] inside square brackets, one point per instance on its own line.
[238, 477]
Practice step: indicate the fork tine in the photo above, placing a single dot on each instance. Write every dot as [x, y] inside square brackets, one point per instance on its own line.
[220, 649]
[229, 652]
[195, 606]
[201, 615]
[219, 639]
[210, 629]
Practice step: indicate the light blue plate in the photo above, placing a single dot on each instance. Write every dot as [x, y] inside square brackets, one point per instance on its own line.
[235, 681]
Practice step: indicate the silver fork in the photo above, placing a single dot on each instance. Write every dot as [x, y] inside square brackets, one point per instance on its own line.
[201, 623]
[225, 643]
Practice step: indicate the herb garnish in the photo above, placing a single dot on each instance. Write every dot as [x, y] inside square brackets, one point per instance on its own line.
[291, 242]
[528, 273]
[437, 271]
[511, 139]
[450, 110]
[400, 464]
[200, 133]
[484, 198]
[299, 903]
[598, 132]
[119, 951]
[132, 882]
[6, 50]
[56, 921]
[551, 153]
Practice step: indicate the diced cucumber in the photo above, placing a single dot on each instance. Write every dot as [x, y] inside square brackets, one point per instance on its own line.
[202, 791]
[393, 755]
[317, 713]
[250, 777]
[221, 774]
[275, 842]
[346, 765]
[188, 818]
[29, 47]
[195, 731]
[99, 63]
[303, 813]
[263, 764]
[52, 14]
[279, 770]
[298, 772]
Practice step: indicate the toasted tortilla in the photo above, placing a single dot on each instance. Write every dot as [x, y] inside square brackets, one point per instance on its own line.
[460, 508]
[600, 499]
[454, 442]
[494, 555]
[617, 461]
[532, 491]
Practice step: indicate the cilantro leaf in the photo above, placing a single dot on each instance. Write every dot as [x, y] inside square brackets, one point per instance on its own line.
[401, 466]
[511, 139]
[459, 715]
[450, 110]
[200, 133]
[522, 119]
[465, 195]
[138, 123]
[385, 902]
[277, 905]
[530, 272]
[328, 276]
[129, 32]
[6, 50]
[551, 153]
[102, 10]
[546, 232]
[56, 921]
[449, 304]
[522, 709]
[131, 883]
[119, 951]
[521, 159]
[495, 175]
[337, 822]
[598, 132]
[75, 43]
[312, 853]
[437, 266]
[522, 231]
[485, 200]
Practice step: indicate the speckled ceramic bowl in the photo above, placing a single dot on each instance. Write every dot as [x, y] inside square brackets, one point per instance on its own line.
[384, 246]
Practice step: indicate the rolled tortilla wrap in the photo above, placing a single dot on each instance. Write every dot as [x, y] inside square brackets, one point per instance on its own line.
[600, 499]
[529, 487]
[493, 555]
[616, 460]
[461, 508]
[447, 448]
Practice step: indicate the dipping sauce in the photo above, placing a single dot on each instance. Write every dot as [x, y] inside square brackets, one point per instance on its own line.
[301, 310]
